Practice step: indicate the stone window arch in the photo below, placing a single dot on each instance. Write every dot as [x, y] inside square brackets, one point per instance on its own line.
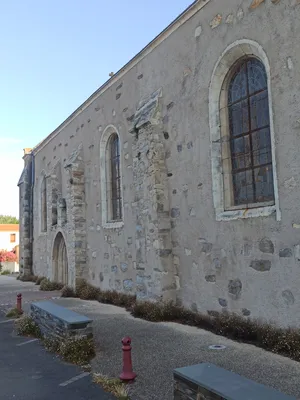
[111, 178]
[242, 134]
[43, 204]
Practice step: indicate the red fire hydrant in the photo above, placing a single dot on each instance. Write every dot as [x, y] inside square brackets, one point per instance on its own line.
[19, 302]
[127, 373]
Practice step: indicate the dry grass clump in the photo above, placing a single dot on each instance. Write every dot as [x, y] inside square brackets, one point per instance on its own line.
[27, 278]
[14, 313]
[68, 291]
[39, 280]
[76, 350]
[48, 286]
[112, 385]
[25, 326]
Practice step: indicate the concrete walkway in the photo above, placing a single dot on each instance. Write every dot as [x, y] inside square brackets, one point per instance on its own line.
[158, 348]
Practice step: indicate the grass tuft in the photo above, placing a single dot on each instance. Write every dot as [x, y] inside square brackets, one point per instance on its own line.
[112, 385]
[14, 313]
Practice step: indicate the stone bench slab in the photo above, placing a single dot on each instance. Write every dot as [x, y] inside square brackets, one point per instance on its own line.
[62, 313]
[58, 321]
[214, 383]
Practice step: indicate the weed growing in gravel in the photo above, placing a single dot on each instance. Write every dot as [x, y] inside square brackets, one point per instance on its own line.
[112, 385]
[25, 326]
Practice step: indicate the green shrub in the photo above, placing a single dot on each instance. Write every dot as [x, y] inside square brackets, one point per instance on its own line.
[39, 280]
[25, 326]
[49, 286]
[77, 350]
[5, 272]
[67, 291]
[112, 385]
[14, 313]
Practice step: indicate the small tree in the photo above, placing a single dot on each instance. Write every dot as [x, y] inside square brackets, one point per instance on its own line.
[8, 219]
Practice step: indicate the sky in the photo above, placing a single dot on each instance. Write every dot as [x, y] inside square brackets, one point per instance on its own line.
[54, 55]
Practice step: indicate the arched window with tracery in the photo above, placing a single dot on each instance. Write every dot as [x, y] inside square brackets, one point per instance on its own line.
[43, 211]
[249, 134]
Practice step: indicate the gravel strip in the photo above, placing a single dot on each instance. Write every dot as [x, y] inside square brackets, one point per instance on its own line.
[158, 348]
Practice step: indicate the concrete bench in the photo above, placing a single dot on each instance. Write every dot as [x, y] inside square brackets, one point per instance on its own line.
[209, 382]
[58, 321]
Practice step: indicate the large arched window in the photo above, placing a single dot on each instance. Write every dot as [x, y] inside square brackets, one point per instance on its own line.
[43, 211]
[111, 178]
[114, 179]
[249, 134]
[242, 138]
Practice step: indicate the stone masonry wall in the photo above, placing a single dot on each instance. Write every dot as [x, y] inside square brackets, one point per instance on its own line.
[250, 266]
[26, 216]
[154, 261]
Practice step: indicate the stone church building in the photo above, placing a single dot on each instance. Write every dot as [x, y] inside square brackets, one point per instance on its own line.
[179, 177]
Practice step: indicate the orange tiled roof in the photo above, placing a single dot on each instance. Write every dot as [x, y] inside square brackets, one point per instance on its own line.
[9, 227]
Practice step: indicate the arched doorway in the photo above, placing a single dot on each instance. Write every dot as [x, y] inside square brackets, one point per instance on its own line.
[60, 260]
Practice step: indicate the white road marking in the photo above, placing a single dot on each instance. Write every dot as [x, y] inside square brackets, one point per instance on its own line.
[74, 379]
[4, 322]
[28, 341]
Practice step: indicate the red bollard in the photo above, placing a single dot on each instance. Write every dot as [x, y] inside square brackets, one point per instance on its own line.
[19, 302]
[127, 373]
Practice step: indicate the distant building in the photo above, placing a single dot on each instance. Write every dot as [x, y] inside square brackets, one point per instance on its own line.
[179, 177]
[9, 237]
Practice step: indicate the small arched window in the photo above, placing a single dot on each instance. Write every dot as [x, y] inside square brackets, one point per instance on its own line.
[113, 179]
[43, 210]
[249, 134]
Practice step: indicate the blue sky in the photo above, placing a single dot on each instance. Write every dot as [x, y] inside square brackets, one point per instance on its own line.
[56, 53]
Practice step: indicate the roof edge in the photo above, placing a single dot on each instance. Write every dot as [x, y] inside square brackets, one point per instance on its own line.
[188, 13]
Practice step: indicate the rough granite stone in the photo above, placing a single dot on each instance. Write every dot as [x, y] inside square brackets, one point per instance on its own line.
[261, 265]
[235, 288]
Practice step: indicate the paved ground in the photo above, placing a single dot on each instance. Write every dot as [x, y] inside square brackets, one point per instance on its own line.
[27, 371]
[158, 348]
[10, 287]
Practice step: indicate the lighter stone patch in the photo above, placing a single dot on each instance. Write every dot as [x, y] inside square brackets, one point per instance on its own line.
[198, 31]
[113, 113]
[290, 63]
[188, 252]
[126, 156]
[216, 21]
[290, 183]
[288, 297]
[192, 212]
[94, 254]
[229, 19]
[195, 265]
[240, 14]
[125, 145]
